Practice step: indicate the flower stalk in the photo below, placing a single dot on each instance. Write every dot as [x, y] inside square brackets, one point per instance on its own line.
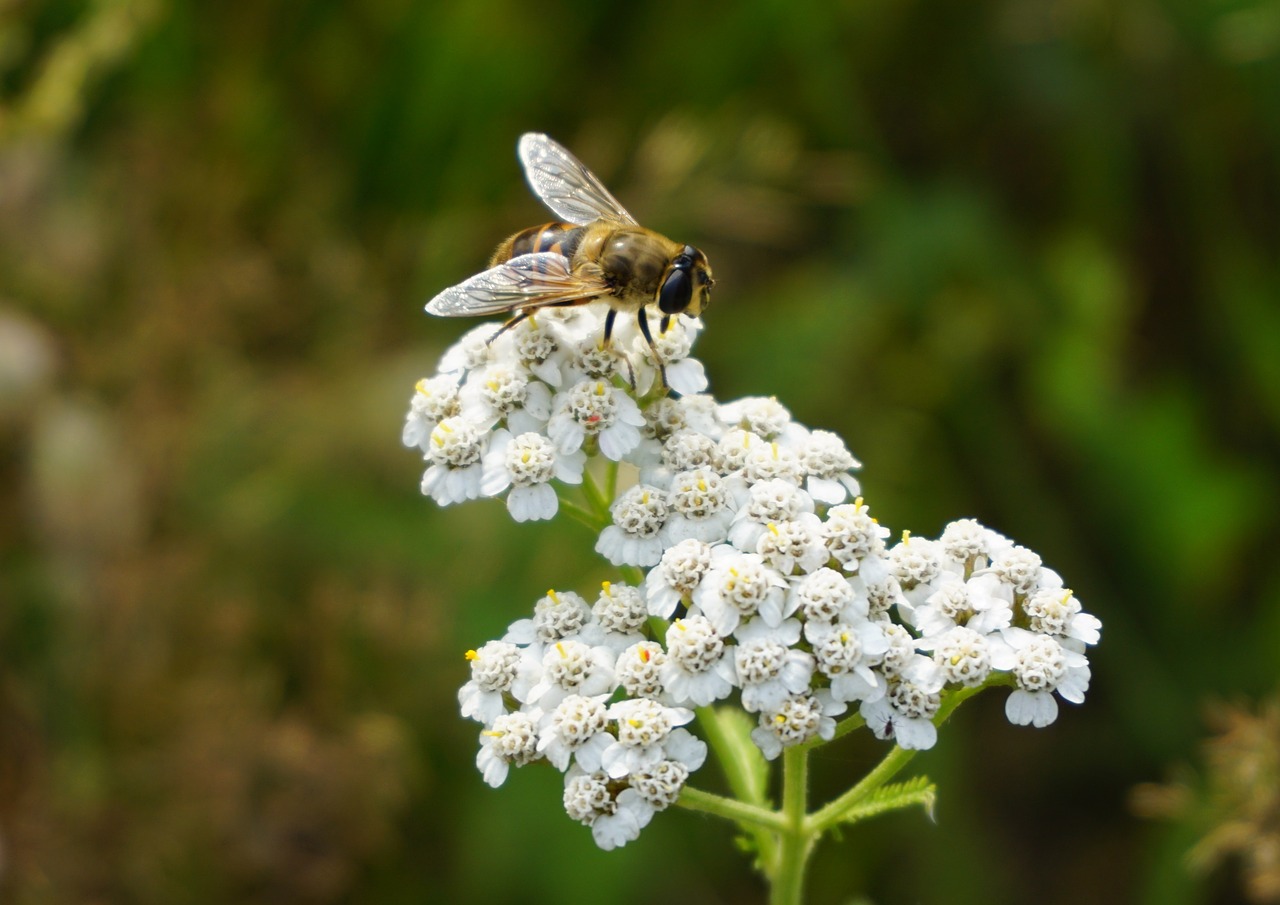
[797, 842]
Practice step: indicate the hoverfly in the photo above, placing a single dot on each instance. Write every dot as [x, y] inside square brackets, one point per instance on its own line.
[596, 252]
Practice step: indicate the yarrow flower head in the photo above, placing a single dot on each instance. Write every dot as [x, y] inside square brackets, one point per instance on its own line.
[510, 740]
[753, 573]
[699, 667]
[455, 448]
[493, 671]
[525, 465]
[637, 536]
[738, 586]
[796, 720]
[620, 611]
[827, 464]
[595, 409]
[434, 399]
[677, 575]
[1041, 666]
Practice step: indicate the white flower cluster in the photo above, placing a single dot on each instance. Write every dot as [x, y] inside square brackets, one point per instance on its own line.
[768, 581]
[579, 687]
[509, 410]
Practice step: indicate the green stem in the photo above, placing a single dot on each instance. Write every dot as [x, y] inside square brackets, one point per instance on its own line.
[578, 514]
[797, 839]
[595, 497]
[611, 480]
[795, 786]
[748, 815]
[842, 729]
[830, 814]
[955, 698]
[834, 811]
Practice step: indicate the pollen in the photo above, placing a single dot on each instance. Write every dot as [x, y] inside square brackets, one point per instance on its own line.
[472, 655]
[645, 655]
[560, 648]
[421, 387]
[773, 529]
[634, 723]
[604, 586]
[906, 536]
[553, 596]
[780, 720]
[702, 485]
[858, 504]
[492, 733]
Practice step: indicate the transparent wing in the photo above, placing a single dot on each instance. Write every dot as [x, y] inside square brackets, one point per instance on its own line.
[529, 281]
[566, 186]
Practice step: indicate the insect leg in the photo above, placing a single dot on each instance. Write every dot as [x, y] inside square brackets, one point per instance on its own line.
[523, 315]
[643, 320]
[608, 325]
[608, 334]
[526, 313]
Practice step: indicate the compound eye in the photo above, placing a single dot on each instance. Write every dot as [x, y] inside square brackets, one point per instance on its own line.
[676, 292]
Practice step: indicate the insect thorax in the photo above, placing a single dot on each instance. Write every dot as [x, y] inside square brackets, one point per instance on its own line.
[633, 259]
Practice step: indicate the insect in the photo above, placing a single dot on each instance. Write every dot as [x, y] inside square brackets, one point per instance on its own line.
[595, 252]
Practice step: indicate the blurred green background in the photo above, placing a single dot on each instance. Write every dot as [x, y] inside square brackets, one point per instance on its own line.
[1024, 255]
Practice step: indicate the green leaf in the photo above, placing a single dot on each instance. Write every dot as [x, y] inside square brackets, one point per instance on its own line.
[895, 796]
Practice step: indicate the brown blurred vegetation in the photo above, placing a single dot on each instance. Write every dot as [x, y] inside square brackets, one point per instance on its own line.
[1023, 255]
[1236, 806]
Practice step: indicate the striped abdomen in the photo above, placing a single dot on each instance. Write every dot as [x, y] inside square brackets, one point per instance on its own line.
[561, 238]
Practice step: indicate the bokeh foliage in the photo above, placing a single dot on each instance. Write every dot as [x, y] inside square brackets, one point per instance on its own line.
[1023, 255]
